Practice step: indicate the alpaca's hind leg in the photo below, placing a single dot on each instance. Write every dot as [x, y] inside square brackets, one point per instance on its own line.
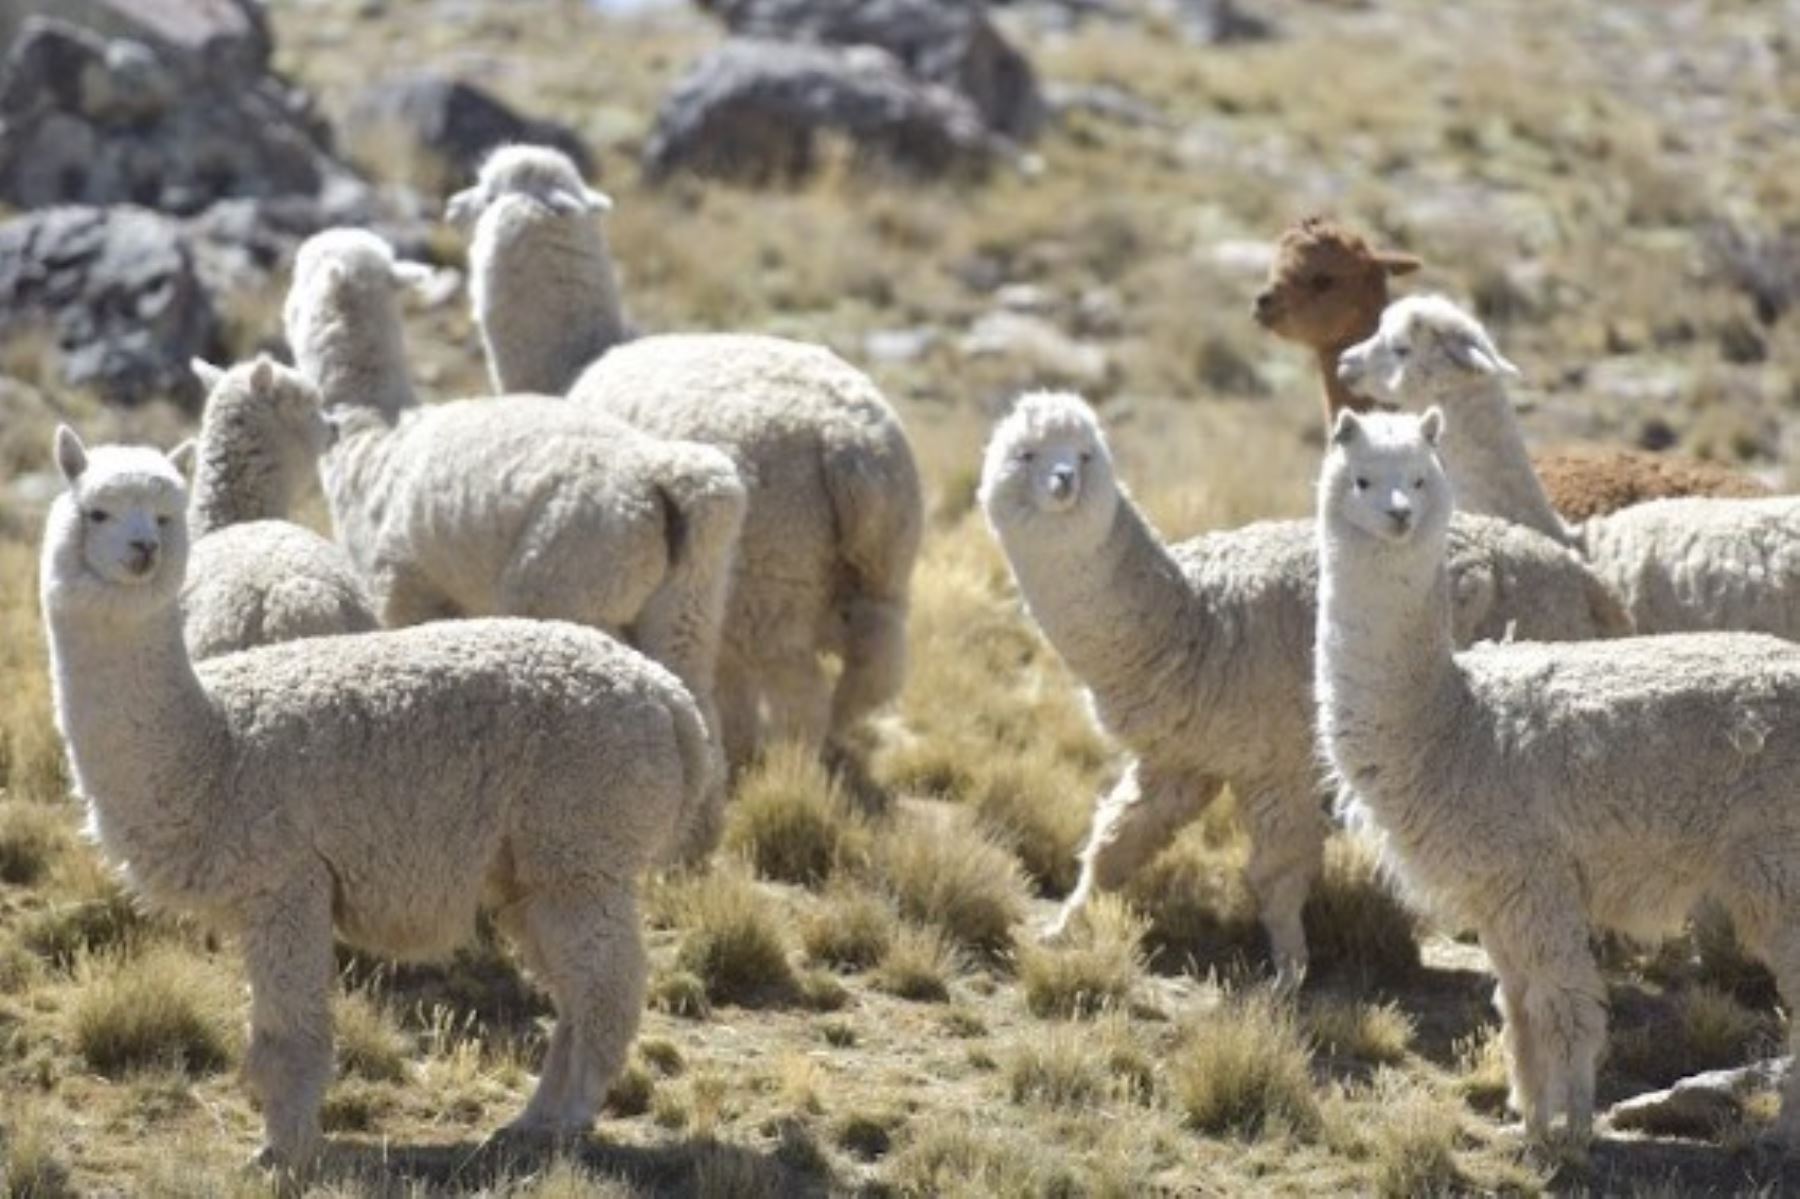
[799, 693]
[1287, 850]
[553, 1074]
[740, 723]
[594, 965]
[1132, 823]
[1771, 929]
[287, 955]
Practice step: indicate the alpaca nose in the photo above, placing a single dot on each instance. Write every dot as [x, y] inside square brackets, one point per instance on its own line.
[1263, 307]
[1349, 367]
[143, 556]
[1062, 482]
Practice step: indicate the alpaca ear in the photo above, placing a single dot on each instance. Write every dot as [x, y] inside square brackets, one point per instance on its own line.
[1395, 263]
[571, 203]
[208, 374]
[1431, 425]
[263, 373]
[464, 207]
[71, 455]
[415, 275]
[182, 457]
[597, 201]
[1347, 429]
[1471, 351]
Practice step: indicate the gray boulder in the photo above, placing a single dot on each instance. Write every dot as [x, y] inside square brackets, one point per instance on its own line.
[90, 119]
[116, 292]
[948, 42]
[228, 36]
[432, 132]
[754, 111]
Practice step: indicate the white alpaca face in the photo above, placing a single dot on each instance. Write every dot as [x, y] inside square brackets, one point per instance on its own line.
[1047, 457]
[1382, 476]
[130, 503]
[1424, 345]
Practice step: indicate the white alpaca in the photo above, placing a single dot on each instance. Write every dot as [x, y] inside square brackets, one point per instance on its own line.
[1535, 792]
[1199, 656]
[382, 784]
[520, 506]
[836, 510]
[538, 249]
[1681, 565]
[254, 577]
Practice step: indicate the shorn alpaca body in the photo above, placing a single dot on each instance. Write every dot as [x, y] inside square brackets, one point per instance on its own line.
[516, 506]
[1326, 291]
[836, 509]
[1680, 565]
[254, 577]
[1199, 656]
[1537, 792]
[380, 784]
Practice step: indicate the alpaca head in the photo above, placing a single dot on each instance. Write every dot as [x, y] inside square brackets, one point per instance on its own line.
[1048, 464]
[1327, 286]
[117, 538]
[344, 277]
[1424, 347]
[546, 177]
[1382, 480]
[266, 408]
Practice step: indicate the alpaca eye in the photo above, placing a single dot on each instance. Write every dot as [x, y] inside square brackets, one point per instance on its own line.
[1362, 484]
[162, 522]
[1086, 456]
[1028, 456]
[97, 516]
[1402, 351]
[1419, 483]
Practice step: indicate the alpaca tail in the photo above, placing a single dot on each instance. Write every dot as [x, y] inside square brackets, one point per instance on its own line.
[875, 494]
[704, 501]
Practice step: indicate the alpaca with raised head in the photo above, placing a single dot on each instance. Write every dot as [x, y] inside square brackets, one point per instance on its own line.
[1537, 792]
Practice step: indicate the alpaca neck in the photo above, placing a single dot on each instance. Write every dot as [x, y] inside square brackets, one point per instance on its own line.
[558, 271]
[356, 475]
[1337, 396]
[358, 360]
[141, 734]
[1384, 653]
[1485, 456]
[233, 485]
[1117, 614]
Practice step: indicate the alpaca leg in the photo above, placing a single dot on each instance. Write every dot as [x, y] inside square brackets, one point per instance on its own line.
[1132, 823]
[739, 722]
[553, 1074]
[287, 955]
[1771, 929]
[403, 598]
[1287, 851]
[595, 968]
[1564, 999]
[1528, 1093]
[799, 694]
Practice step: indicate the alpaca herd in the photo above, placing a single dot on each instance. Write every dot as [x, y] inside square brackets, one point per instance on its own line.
[555, 620]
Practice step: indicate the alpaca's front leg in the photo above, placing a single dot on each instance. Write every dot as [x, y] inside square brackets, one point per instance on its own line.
[287, 954]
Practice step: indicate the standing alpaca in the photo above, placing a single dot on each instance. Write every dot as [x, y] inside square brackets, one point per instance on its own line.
[519, 506]
[1326, 291]
[1199, 656]
[380, 784]
[1681, 565]
[1536, 792]
[835, 511]
[254, 577]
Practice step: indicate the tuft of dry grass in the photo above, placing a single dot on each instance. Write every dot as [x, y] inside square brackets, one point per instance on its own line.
[792, 822]
[369, 1043]
[918, 965]
[31, 1162]
[1708, 1029]
[732, 940]
[32, 837]
[1376, 1033]
[957, 879]
[31, 752]
[1038, 806]
[1198, 911]
[1095, 972]
[1244, 1068]
[1061, 1067]
[851, 928]
[161, 1009]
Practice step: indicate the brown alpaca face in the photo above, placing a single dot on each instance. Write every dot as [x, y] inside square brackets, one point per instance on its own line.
[1326, 287]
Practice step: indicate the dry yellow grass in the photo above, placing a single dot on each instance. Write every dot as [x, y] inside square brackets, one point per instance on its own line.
[1550, 180]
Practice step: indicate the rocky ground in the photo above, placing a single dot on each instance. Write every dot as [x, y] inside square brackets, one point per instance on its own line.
[843, 1005]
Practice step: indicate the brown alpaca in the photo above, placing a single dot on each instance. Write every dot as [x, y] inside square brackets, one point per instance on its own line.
[1326, 290]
